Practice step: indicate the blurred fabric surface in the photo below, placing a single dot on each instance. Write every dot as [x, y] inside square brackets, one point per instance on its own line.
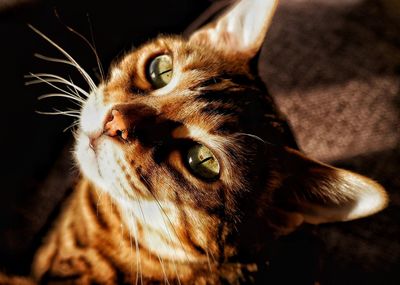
[333, 67]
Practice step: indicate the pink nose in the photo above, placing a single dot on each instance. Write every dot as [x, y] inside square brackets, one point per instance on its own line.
[116, 126]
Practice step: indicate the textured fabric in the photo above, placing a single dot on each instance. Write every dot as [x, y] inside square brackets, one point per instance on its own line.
[333, 67]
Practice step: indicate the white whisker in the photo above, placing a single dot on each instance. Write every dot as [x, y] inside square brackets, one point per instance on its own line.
[172, 226]
[74, 124]
[251, 136]
[88, 79]
[75, 134]
[73, 62]
[53, 95]
[58, 112]
[92, 46]
[70, 91]
[135, 237]
[145, 222]
[208, 254]
[158, 255]
[137, 250]
[56, 79]
[77, 88]
[65, 93]
[73, 91]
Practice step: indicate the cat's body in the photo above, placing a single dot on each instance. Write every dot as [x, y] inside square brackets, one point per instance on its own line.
[145, 212]
[91, 245]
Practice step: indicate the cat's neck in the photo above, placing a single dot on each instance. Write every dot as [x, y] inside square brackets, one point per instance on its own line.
[150, 223]
[154, 252]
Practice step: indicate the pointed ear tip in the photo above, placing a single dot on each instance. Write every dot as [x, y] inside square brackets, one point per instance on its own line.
[381, 195]
[369, 184]
[240, 30]
[371, 197]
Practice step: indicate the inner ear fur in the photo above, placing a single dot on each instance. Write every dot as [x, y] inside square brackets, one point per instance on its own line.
[241, 30]
[321, 193]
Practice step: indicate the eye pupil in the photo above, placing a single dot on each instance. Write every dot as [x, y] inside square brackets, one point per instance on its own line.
[202, 162]
[205, 160]
[160, 70]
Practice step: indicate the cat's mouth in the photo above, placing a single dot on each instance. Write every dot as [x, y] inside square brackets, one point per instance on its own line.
[87, 157]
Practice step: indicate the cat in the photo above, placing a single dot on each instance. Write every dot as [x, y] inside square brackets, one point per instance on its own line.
[189, 169]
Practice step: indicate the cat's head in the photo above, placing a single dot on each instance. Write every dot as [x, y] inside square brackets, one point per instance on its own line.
[185, 138]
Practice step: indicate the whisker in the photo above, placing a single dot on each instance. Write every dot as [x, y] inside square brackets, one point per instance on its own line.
[135, 236]
[145, 222]
[166, 281]
[75, 134]
[58, 112]
[208, 253]
[77, 88]
[251, 136]
[101, 70]
[53, 95]
[70, 90]
[67, 55]
[56, 79]
[91, 45]
[74, 124]
[87, 78]
[73, 91]
[138, 259]
[172, 226]
[64, 92]
[73, 96]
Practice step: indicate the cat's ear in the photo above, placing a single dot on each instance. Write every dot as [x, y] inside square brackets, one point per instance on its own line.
[241, 29]
[321, 193]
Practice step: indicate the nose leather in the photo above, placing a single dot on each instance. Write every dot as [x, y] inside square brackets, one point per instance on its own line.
[116, 126]
[138, 122]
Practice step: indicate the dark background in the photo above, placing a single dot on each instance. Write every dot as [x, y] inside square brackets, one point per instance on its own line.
[333, 67]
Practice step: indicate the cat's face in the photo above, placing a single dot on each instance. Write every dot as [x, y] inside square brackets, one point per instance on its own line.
[185, 138]
[213, 106]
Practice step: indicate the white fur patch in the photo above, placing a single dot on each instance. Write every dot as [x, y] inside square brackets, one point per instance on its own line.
[158, 234]
[93, 114]
[116, 73]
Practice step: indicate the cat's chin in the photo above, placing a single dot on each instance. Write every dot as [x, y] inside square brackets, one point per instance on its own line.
[87, 160]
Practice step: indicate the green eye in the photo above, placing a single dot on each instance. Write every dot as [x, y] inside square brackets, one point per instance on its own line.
[202, 162]
[160, 70]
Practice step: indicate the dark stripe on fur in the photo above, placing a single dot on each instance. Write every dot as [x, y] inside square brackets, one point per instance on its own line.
[199, 199]
[216, 109]
[221, 227]
[121, 276]
[45, 278]
[187, 228]
[79, 234]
